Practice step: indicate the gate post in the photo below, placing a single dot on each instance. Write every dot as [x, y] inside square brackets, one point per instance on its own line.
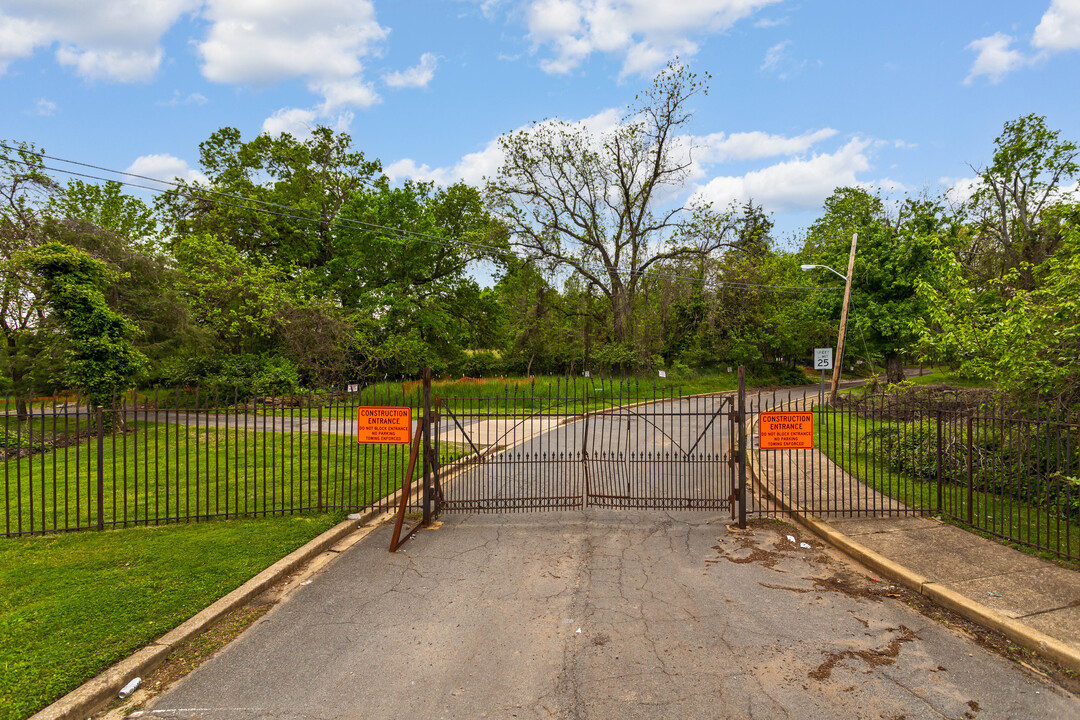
[742, 446]
[427, 446]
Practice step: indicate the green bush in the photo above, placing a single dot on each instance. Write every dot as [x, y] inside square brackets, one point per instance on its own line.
[249, 374]
[10, 440]
[1021, 463]
[480, 364]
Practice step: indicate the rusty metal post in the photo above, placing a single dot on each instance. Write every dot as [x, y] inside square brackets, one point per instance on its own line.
[100, 469]
[742, 446]
[426, 420]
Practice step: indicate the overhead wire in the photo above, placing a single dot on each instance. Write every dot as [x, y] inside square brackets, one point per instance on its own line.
[279, 210]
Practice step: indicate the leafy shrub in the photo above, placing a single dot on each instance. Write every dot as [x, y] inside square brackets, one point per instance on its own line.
[1018, 462]
[480, 364]
[11, 441]
[249, 374]
[616, 357]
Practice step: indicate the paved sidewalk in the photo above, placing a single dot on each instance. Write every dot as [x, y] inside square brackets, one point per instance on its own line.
[1038, 593]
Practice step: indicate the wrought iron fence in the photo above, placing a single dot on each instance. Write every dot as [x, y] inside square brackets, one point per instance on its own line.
[184, 455]
[1007, 467]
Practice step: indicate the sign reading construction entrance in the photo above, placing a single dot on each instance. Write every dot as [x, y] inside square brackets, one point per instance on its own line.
[384, 425]
[786, 431]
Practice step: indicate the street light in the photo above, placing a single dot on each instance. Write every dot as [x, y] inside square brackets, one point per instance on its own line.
[843, 313]
[811, 267]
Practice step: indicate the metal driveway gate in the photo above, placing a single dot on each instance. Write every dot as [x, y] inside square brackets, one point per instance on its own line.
[581, 443]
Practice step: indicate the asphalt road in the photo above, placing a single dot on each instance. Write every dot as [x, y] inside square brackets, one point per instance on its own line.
[601, 614]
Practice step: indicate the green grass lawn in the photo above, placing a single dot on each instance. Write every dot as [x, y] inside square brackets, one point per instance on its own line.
[73, 604]
[997, 515]
[172, 472]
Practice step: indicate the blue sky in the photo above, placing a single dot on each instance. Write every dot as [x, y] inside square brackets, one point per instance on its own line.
[805, 96]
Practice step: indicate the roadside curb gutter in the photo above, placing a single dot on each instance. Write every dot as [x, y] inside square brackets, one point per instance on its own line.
[95, 693]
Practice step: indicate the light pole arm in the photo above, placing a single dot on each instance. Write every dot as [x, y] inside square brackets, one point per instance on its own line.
[811, 267]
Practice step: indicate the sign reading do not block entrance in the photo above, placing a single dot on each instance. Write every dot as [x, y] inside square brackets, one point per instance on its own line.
[384, 425]
[786, 431]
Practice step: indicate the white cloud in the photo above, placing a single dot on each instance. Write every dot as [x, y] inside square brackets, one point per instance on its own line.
[885, 184]
[106, 39]
[779, 61]
[320, 41]
[166, 168]
[178, 99]
[644, 33]
[995, 58]
[1057, 31]
[19, 37]
[766, 23]
[45, 107]
[415, 77]
[959, 190]
[300, 122]
[774, 55]
[111, 64]
[721, 147]
[1059, 28]
[475, 167]
[297, 122]
[795, 184]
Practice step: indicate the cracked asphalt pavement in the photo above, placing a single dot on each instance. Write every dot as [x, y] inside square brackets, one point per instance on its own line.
[601, 614]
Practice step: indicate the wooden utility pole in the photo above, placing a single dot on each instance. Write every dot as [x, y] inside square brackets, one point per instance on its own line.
[843, 321]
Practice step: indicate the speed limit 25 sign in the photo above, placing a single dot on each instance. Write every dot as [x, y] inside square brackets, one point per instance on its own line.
[823, 358]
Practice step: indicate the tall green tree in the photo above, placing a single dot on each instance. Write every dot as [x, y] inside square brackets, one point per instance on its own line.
[1030, 341]
[25, 188]
[98, 353]
[893, 252]
[403, 259]
[1031, 168]
[122, 231]
[273, 198]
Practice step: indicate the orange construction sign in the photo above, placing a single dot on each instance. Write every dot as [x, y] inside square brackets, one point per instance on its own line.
[786, 431]
[384, 425]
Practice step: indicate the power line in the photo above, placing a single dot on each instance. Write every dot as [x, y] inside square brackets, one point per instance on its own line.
[253, 204]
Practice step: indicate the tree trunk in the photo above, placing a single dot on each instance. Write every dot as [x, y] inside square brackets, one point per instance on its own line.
[894, 369]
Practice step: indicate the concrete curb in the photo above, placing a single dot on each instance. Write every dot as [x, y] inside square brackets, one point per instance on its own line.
[1016, 631]
[96, 692]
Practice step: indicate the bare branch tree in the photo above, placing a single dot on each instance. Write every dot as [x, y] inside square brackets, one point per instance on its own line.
[602, 203]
